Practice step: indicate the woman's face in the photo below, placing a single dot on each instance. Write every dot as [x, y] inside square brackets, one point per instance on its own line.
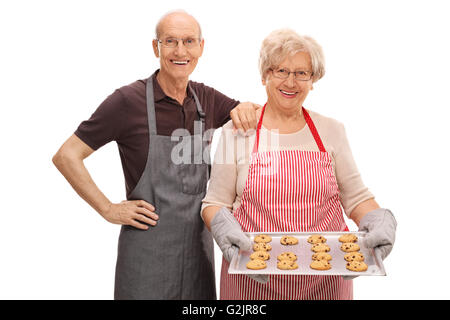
[289, 94]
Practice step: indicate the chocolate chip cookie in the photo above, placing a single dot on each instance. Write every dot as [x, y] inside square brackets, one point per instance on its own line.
[358, 266]
[288, 240]
[316, 238]
[349, 237]
[264, 238]
[287, 256]
[287, 265]
[321, 256]
[261, 255]
[320, 265]
[320, 247]
[262, 246]
[256, 264]
[354, 256]
[349, 247]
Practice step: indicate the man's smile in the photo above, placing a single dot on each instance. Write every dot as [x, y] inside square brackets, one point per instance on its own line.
[180, 62]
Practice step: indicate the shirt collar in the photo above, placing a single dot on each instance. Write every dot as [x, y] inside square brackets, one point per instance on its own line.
[158, 92]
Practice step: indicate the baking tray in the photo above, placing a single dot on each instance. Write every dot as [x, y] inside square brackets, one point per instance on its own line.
[304, 256]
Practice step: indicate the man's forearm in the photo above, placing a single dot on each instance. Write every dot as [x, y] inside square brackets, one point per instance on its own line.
[79, 178]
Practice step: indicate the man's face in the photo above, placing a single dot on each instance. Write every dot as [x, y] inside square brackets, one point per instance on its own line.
[180, 61]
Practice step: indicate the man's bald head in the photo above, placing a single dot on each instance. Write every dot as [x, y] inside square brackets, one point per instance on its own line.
[175, 16]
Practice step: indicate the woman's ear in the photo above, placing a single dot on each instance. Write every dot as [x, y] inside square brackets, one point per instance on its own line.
[264, 78]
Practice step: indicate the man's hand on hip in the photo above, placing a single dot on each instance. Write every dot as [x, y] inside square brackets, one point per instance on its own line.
[132, 213]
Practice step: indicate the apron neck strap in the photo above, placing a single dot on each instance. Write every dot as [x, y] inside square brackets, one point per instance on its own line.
[313, 129]
[151, 107]
[200, 111]
[309, 122]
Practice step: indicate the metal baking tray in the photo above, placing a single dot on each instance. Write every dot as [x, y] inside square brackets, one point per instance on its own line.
[304, 256]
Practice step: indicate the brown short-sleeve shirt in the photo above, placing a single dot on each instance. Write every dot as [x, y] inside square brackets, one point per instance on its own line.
[122, 117]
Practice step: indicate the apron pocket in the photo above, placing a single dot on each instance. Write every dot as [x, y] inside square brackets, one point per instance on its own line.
[193, 178]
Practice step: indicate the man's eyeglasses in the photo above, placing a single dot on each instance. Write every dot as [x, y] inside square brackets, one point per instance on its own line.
[301, 75]
[173, 42]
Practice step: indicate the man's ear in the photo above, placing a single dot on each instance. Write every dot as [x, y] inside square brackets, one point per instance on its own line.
[202, 45]
[155, 47]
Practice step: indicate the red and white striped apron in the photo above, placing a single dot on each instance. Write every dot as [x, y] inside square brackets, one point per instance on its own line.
[289, 191]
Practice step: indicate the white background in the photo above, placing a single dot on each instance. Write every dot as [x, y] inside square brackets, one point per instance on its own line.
[387, 77]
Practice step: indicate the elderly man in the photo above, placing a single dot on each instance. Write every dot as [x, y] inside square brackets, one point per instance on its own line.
[165, 251]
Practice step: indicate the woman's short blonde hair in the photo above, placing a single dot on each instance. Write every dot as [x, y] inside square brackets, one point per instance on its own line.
[279, 44]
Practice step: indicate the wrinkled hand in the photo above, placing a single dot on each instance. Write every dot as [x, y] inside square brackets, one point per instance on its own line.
[245, 117]
[229, 236]
[132, 213]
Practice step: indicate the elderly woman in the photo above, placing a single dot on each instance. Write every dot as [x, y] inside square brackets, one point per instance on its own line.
[294, 175]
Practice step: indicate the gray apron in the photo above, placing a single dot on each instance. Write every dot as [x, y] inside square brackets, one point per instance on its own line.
[174, 259]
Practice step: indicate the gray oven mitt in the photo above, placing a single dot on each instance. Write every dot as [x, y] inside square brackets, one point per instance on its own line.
[380, 226]
[229, 236]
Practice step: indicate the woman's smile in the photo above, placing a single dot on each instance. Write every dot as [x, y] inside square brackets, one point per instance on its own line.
[288, 94]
